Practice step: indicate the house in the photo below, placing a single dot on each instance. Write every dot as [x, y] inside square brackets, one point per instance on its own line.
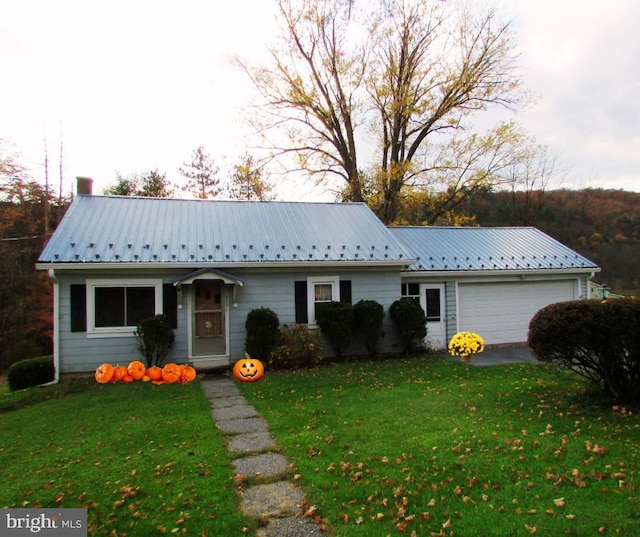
[206, 264]
[490, 281]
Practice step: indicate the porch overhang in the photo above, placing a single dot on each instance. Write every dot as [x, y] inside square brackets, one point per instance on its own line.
[209, 273]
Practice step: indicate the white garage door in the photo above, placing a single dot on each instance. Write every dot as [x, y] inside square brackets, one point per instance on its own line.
[500, 312]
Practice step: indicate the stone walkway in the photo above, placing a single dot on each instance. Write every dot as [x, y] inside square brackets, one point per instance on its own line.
[268, 492]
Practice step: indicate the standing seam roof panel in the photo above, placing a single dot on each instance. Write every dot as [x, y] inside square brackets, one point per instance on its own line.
[140, 230]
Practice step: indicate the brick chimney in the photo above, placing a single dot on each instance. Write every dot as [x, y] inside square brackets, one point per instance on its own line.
[84, 186]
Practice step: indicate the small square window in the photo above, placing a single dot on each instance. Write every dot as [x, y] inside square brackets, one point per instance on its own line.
[321, 291]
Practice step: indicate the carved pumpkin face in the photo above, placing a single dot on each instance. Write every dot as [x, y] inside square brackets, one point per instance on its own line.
[248, 370]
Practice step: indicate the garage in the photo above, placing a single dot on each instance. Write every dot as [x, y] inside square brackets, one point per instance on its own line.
[501, 312]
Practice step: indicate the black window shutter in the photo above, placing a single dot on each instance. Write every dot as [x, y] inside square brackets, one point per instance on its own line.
[78, 296]
[170, 303]
[345, 291]
[301, 302]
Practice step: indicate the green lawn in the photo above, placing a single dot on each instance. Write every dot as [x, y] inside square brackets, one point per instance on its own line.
[433, 447]
[418, 445]
[145, 460]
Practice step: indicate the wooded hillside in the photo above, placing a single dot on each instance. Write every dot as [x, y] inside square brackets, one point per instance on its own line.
[602, 225]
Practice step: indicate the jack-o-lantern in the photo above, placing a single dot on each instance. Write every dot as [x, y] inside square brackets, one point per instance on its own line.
[248, 370]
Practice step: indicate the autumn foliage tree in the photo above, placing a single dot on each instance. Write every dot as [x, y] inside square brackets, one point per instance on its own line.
[152, 184]
[401, 81]
[246, 181]
[25, 294]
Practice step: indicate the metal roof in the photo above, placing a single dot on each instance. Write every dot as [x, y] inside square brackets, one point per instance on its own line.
[487, 248]
[133, 230]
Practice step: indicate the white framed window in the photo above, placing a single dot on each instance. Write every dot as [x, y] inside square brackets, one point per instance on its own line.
[116, 307]
[410, 290]
[321, 290]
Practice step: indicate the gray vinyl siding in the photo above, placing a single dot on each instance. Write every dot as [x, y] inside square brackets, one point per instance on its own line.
[79, 353]
[262, 288]
[275, 290]
[450, 291]
[583, 284]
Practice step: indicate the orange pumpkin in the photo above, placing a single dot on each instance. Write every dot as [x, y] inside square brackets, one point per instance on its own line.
[154, 373]
[127, 379]
[248, 370]
[136, 369]
[146, 378]
[104, 373]
[188, 374]
[171, 373]
[119, 371]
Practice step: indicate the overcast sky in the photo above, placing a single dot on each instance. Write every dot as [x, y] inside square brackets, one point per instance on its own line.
[134, 85]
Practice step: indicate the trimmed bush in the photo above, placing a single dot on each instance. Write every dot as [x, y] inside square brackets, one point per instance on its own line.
[368, 316]
[599, 340]
[410, 322]
[297, 347]
[155, 339]
[30, 372]
[335, 319]
[262, 331]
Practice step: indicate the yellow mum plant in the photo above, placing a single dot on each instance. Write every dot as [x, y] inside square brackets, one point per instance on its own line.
[464, 344]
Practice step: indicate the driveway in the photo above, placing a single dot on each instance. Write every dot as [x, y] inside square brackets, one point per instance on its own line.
[511, 354]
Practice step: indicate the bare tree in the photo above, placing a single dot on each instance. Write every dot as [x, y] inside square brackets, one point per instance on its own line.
[310, 90]
[529, 178]
[396, 78]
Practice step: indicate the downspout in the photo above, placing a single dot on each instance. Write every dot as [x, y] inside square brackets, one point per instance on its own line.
[56, 328]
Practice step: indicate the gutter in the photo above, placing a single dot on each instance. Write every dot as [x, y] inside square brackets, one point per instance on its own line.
[499, 272]
[223, 265]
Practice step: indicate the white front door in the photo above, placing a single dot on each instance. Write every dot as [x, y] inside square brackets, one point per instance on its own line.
[432, 300]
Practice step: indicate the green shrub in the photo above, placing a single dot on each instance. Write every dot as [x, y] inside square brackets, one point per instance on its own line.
[30, 372]
[410, 322]
[335, 319]
[297, 347]
[155, 339]
[262, 330]
[368, 316]
[598, 340]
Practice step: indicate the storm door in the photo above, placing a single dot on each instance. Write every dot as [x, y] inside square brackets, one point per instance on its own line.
[432, 302]
[208, 326]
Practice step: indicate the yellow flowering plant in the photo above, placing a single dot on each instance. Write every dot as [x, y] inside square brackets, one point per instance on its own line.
[464, 344]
